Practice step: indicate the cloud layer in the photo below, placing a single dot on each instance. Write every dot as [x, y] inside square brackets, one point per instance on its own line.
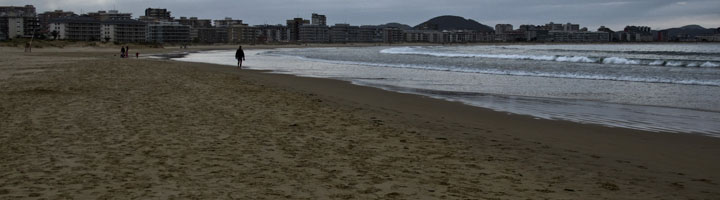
[658, 14]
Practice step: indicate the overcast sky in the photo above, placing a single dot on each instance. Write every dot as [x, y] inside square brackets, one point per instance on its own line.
[658, 14]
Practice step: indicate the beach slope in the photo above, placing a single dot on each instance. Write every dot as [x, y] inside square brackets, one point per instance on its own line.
[87, 125]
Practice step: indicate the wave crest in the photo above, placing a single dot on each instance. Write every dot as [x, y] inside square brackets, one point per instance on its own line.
[556, 58]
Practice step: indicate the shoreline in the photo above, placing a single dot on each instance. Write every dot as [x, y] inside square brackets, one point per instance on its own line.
[669, 136]
[82, 125]
[341, 90]
[642, 127]
[288, 80]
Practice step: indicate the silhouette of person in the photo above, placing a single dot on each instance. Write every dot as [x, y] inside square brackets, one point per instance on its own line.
[122, 52]
[240, 56]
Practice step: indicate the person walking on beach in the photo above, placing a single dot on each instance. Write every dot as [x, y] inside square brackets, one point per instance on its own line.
[127, 51]
[28, 47]
[122, 52]
[240, 56]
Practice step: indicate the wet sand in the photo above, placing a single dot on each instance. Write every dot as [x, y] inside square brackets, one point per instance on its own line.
[81, 124]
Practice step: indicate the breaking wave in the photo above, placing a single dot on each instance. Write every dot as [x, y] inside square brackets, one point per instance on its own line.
[556, 58]
[709, 64]
[521, 73]
[620, 61]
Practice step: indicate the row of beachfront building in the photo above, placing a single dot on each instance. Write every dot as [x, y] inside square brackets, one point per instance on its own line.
[158, 26]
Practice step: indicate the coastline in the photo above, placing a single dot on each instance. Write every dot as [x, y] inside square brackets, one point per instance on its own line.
[275, 135]
[440, 110]
[538, 101]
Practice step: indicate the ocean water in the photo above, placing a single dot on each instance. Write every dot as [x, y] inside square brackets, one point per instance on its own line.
[654, 87]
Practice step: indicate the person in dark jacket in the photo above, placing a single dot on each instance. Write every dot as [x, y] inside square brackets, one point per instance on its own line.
[240, 56]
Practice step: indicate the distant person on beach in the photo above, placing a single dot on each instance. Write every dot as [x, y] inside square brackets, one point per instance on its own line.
[122, 52]
[127, 51]
[28, 47]
[240, 56]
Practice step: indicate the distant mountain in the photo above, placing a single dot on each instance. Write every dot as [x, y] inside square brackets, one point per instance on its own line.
[395, 25]
[452, 23]
[690, 30]
[694, 26]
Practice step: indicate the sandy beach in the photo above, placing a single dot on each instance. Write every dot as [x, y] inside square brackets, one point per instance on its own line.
[81, 123]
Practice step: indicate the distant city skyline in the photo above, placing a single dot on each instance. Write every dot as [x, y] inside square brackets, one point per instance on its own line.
[658, 14]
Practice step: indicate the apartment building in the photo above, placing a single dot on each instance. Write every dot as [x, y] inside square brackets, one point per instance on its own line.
[12, 27]
[227, 22]
[167, 32]
[110, 15]
[233, 30]
[18, 21]
[454, 36]
[242, 34]
[370, 34]
[502, 28]
[554, 27]
[312, 33]
[318, 19]
[195, 24]
[709, 38]
[212, 35]
[634, 34]
[124, 31]
[272, 33]
[45, 18]
[293, 28]
[537, 35]
[392, 35]
[424, 36]
[77, 28]
[343, 33]
[573, 36]
[157, 15]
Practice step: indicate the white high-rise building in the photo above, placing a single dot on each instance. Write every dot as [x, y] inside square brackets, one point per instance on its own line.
[503, 28]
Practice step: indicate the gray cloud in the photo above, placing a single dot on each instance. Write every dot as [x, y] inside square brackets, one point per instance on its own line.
[589, 13]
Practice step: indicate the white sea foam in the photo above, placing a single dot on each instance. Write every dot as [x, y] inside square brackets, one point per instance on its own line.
[657, 63]
[582, 59]
[620, 61]
[709, 64]
[572, 59]
[674, 64]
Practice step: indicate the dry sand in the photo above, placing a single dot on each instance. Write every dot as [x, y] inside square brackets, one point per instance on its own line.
[86, 125]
